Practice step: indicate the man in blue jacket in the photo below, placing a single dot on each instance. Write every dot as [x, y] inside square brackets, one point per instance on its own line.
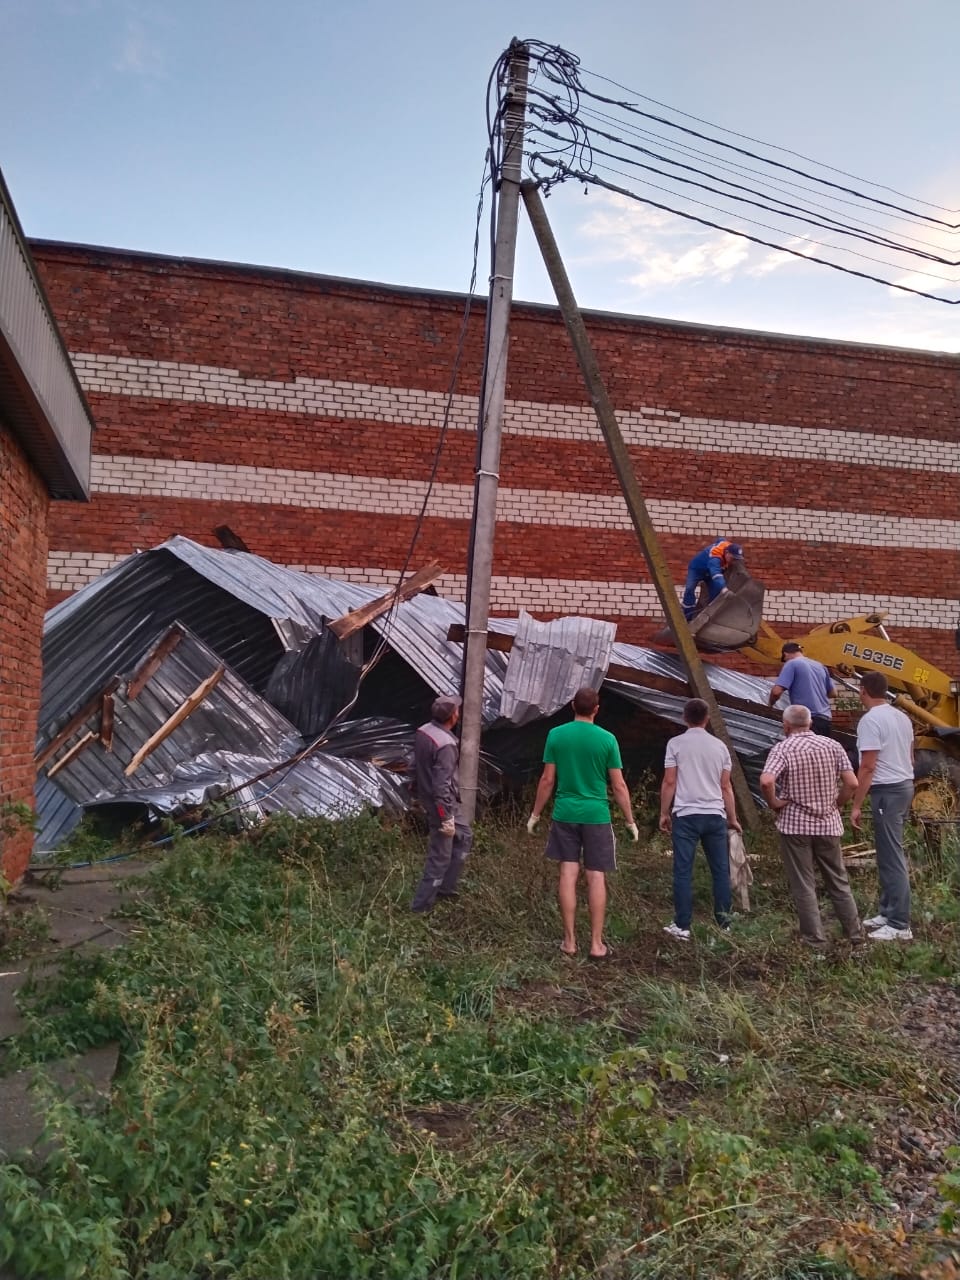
[708, 566]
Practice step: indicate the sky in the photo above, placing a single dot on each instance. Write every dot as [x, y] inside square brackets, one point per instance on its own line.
[347, 137]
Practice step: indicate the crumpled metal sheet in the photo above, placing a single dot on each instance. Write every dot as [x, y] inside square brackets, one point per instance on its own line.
[311, 685]
[247, 609]
[251, 614]
[550, 661]
[229, 738]
[319, 786]
[377, 739]
[230, 714]
[736, 683]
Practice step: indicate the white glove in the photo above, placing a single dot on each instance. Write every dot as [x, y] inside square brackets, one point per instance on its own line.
[532, 822]
[634, 830]
[448, 827]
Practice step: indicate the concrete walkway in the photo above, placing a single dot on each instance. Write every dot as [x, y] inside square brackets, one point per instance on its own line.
[80, 915]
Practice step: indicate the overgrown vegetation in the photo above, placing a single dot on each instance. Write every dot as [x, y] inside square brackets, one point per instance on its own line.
[314, 1083]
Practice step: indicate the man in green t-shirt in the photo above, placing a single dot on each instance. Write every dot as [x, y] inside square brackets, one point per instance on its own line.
[581, 758]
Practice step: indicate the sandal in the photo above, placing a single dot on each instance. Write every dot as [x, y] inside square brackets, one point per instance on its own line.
[607, 955]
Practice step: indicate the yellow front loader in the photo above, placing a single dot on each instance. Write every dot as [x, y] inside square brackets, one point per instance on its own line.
[929, 696]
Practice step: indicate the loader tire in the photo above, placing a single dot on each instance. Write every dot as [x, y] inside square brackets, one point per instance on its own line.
[937, 778]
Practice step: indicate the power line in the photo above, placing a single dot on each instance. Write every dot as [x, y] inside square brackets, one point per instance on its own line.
[573, 133]
[733, 166]
[590, 178]
[794, 212]
[791, 209]
[774, 146]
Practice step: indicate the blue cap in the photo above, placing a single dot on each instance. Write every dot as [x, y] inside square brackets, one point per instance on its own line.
[735, 549]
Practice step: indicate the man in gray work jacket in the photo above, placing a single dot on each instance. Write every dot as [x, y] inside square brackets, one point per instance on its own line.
[436, 756]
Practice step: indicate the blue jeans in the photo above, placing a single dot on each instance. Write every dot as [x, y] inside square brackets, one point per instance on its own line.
[700, 570]
[890, 804]
[709, 829]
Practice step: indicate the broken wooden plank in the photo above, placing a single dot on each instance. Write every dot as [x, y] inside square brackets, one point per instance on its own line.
[106, 722]
[186, 708]
[630, 675]
[358, 618]
[153, 661]
[74, 751]
[73, 724]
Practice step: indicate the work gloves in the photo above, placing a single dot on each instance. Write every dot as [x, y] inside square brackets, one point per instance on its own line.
[532, 822]
[448, 826]
[634, 830]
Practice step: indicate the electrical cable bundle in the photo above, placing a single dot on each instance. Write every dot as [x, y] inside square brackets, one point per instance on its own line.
[581, 127]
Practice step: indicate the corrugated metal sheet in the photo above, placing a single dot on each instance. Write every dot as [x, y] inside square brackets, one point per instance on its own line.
[232, 736]
[231, 715]
[102, 630]
[39, 392]
[310, 686]
[416, 630]
[550, 661]
[57, 815]
[321, 785]
[735, 683]
[240, 606]
[233, 601]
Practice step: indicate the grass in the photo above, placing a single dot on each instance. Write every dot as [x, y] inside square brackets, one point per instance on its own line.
[314, 1083]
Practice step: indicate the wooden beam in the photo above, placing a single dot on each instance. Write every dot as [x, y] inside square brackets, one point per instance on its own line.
[73, 724]
[74, 751]
[186, 708]
[106, 722]
[152, 662]
[358, 618]
[630, 675]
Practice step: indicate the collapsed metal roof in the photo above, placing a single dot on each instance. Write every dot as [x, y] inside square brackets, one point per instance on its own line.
[230, 737]
[264, 627]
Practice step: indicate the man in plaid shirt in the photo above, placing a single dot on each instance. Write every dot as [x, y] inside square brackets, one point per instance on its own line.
[805, 781]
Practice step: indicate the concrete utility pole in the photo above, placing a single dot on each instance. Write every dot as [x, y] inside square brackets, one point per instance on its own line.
[491, 420]
[646, 533]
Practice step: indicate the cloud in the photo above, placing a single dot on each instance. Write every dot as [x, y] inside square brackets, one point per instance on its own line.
[667, 251]
[137, 55]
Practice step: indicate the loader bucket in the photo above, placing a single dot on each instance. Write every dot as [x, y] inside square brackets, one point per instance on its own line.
[732, 620]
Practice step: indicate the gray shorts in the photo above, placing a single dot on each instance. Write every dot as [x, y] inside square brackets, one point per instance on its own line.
[594, 840]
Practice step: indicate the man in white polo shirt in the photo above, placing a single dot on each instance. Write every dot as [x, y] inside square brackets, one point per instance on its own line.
[696, 785]
[885, 743]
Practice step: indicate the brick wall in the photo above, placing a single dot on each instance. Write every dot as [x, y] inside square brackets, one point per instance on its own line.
[23, 548]
[304, 412]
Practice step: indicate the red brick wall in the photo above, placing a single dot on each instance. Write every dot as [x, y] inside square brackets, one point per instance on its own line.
[23, 557]
[281, 327]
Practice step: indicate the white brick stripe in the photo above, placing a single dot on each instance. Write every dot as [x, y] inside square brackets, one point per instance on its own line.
[70, 570]
[170, 478]
[655, 427]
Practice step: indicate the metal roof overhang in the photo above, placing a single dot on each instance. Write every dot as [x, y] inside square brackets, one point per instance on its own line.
[40, 397]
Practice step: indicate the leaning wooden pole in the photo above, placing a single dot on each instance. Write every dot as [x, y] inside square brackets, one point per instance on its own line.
[646, 533]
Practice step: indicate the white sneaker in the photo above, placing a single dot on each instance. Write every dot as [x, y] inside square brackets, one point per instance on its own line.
[889, 934]
[675, 931]
[875, 922]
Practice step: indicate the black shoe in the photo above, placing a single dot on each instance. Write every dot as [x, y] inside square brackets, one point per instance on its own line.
[452, 896]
